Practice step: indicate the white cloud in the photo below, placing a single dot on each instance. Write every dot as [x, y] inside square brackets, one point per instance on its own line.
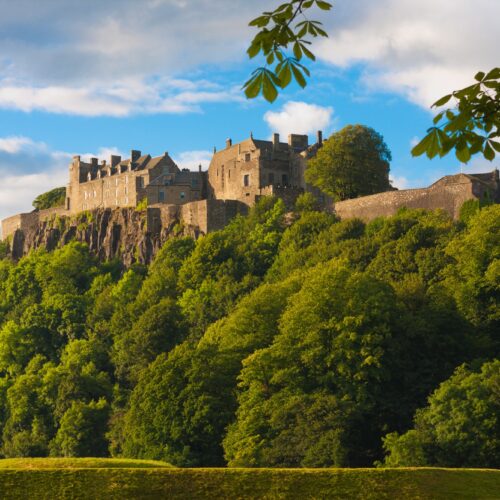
[116, 100]
[29, 168]
[192, 159]
[299, 118]
[421, 50]
[399, 182]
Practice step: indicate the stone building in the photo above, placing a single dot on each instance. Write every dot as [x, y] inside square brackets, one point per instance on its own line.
[125, 183]
[255, 168]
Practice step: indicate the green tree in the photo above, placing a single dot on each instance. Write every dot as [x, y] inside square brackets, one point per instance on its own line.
[472, 126]
[352, 162]
[459, 428]
[82, 431]
[53, 198]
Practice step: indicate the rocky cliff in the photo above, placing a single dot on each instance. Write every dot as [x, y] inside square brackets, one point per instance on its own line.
[123, 233]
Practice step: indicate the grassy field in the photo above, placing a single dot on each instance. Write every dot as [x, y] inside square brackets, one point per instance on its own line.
[130, 479]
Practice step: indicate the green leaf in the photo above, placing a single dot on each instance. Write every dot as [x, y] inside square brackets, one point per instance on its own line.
[442, 101]
[489, 152]
[269, 90]
[308, 53]
[494, 74]
[252, 87]
[438, 117]
[479, 76]
[463, 155]
[253, 50]
[422, 146]
[323, 5]
[495, 145]
[299, 77]
[285, 75]
[297, 51]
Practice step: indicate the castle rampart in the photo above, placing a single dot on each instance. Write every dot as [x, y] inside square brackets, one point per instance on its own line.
[448, 193]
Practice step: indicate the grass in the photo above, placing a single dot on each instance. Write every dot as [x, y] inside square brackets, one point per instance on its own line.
[136, 479]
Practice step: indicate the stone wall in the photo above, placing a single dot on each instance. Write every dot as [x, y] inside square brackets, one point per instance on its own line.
[448, 194]
[29, 221]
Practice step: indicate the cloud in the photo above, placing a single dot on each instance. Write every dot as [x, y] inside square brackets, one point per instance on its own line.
[29, 168]
[192, 159]
[299, 118]
[399, 182]
[116, 100]
[420, 50]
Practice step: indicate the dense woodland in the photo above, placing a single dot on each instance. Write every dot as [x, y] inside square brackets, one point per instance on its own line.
[284, 340]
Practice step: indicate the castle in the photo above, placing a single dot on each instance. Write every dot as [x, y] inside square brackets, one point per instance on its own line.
[237, 177]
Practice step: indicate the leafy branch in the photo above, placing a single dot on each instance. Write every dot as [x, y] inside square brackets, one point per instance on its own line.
[275, 39]
[472, 126]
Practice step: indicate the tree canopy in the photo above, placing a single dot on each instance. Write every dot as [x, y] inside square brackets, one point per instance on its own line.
[352, 162]
[277, 341]
[53, 198]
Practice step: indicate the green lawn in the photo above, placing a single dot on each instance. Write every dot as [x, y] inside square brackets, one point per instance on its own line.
[130, 479]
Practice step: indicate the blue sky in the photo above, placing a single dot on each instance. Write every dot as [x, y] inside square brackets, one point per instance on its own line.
[165, 75]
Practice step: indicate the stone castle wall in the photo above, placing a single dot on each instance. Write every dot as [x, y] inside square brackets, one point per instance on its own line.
[447, 194]
[29, 221]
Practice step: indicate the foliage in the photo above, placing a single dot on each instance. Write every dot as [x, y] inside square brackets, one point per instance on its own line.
[472, 126]
[459, 428]
[278, 34]
[352, 162]
[53, 198]
[281, 341]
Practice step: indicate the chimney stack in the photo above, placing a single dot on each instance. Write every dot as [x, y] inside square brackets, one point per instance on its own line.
[276, 140]
[93, 162]
[199, 168]
[319, 139]
[115, 159]
[134, 155]
[229, 143]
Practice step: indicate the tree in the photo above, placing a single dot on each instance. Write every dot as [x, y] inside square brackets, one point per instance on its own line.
[275, 36]
[352, 162]
[53, 198]
[459, 428]
[472, 127]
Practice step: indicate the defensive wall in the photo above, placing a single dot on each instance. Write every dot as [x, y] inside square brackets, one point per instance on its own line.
[449, 194]
[29, 221]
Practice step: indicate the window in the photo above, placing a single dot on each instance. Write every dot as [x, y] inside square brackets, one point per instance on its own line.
[140, 182]
[182, 195]
[247, 156]
[95, 194]
[116, 182]
[284, 179]
[161, 196]
[271, 178]
[194, 182]
[246, 180]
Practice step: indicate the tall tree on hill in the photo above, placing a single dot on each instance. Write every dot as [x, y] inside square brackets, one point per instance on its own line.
[352, 162]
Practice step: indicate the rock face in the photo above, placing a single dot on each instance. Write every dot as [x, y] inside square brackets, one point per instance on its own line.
[109, 233]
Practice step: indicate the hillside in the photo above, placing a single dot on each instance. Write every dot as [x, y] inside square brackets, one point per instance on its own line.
[283, 340]
[63, 481]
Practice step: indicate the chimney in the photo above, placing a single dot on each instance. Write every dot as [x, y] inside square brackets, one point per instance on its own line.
[115, 159]
[276, 141]
[199, 168]
[229, 143]
[93, 163]
[165, 154]
[319, 138]
[134, 155]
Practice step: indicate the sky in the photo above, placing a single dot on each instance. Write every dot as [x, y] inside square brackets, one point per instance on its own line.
[103, 77]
